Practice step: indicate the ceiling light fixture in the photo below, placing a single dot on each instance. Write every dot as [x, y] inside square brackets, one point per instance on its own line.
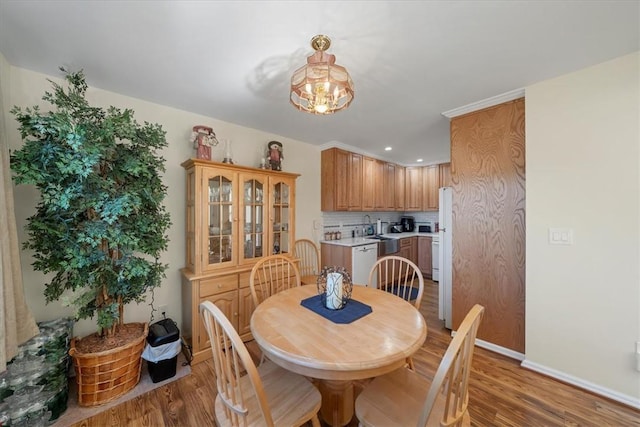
[387, 148]
[321, 86]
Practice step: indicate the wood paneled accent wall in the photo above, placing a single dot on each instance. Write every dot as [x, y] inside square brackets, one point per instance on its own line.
[488, 180]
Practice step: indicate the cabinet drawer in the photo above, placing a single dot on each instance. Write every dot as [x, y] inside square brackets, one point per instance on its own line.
[405, 242]
[216, 285]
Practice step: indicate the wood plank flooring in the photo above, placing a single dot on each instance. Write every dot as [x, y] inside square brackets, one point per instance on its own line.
[501, 392]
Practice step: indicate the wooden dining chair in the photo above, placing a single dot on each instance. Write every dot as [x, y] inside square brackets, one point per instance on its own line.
[399, 276]
[309, 265]
[405, 398]
[254, 396]
[271, 275]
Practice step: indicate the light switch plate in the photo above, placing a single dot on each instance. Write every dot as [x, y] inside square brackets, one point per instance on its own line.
[561, 236]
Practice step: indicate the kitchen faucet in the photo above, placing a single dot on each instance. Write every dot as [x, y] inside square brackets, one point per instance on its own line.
[368, 218]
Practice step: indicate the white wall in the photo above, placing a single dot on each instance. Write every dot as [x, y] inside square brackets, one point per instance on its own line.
[583, 169]
[248, 146]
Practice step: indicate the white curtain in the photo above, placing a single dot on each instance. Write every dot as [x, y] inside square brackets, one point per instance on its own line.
[17, 324]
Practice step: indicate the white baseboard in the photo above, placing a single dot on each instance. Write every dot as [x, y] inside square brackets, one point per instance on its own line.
[578, 382]
[496, 348]
[553, 373]
[500, 350]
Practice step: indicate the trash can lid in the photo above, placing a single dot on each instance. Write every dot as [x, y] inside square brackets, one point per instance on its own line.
[163, 332]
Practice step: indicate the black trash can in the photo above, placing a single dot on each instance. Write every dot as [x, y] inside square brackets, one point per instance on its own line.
[162, 337]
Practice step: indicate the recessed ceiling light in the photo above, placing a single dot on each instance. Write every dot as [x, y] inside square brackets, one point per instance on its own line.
[387, 148]
[419, 160]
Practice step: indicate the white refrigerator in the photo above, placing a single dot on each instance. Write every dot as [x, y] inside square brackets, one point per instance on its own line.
[445, 253]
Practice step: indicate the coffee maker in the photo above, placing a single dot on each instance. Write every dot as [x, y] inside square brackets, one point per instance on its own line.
[408, 223]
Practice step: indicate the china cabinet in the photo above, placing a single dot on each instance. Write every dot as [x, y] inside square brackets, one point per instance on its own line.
[235, 215]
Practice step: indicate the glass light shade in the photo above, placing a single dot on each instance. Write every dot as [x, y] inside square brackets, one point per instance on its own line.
[321, 86]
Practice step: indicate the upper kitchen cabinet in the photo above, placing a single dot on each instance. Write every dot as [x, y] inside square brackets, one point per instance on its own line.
[399, 188]
[445, 174]
[353, 182]
[341, 185]
[430, 185]
[380, 177]
[334, 193]
[369, 175]
[413, 189]
[389, 197]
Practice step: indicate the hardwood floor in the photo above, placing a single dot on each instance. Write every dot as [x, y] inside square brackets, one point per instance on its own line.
[501, 392]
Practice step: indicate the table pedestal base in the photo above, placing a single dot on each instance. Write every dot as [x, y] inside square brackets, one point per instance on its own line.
[337, 402]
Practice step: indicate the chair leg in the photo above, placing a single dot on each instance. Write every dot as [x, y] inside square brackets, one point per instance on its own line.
[410, 364]
[315, 422]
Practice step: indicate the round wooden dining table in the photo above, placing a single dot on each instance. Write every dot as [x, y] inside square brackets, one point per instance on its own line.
[302, 341]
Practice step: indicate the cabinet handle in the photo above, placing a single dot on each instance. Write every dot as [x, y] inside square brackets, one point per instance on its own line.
[219, 286]
[235, 314]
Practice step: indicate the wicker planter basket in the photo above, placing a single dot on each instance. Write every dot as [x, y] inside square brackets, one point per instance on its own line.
[107, 375]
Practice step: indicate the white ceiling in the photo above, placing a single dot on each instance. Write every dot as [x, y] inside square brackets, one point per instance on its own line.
[232, 60]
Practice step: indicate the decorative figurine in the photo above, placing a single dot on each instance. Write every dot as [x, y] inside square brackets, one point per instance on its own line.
[274, 155]
[203, 138]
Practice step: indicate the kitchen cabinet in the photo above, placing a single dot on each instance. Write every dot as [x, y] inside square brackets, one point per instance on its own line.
[424, 256]
[430, 186]
[413, 189]
[380, 184]
[369, 189]
[399, 188]
[389, 170]
[336, 255]
[235, 215]
[353, 182]
[373, 181]
[408, 248]
[445, 174]
[334, 194]
[341, 183]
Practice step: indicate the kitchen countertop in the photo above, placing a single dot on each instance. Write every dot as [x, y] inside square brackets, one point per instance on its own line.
[359, 241]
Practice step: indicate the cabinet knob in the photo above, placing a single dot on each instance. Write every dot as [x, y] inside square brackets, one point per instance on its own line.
[235, 314]
[219, 286]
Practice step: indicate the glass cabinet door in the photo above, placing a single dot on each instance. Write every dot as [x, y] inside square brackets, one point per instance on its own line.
[220, 228]
[281, 217]
[252, 217]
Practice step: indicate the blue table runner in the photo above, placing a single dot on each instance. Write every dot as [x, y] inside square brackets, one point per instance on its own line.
[352, 311]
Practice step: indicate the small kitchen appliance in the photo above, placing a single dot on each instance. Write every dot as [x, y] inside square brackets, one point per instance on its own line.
[396, 228]
[408, 223]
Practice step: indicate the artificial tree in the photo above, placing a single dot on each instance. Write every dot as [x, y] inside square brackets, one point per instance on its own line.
[100, 223]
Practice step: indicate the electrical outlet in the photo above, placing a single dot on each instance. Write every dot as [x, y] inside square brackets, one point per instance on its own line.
[163, 311]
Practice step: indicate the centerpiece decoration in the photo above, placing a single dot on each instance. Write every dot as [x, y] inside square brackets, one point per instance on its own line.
[334, 287]
[99, 225]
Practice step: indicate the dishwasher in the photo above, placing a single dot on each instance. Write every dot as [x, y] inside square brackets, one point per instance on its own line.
[362, 259]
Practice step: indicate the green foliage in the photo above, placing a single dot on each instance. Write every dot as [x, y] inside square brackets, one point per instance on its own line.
[100, 223]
